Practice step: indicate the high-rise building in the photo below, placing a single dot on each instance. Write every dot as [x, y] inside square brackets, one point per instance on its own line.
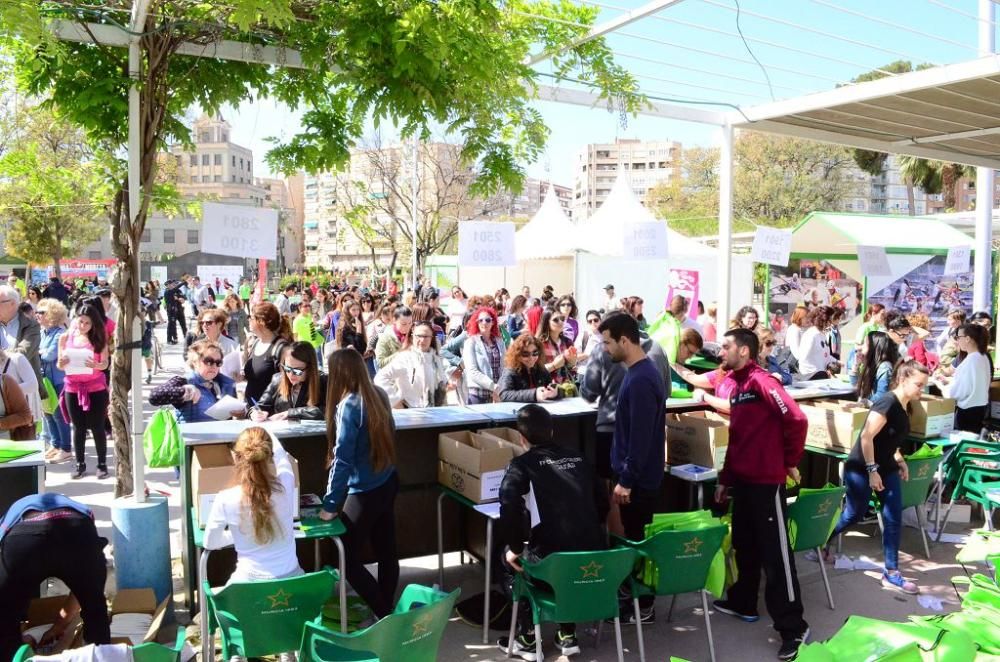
[887, 193]
[597, 166]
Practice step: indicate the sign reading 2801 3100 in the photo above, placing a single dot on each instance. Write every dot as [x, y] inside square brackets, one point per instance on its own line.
[239, 231]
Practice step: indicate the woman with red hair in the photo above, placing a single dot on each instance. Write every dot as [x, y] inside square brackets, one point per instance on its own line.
[482, 356]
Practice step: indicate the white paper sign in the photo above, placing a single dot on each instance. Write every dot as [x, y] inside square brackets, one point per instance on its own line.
[484, 244]
[78, 361]
[240, 231]
[874, 261]
[958, 260]
[772, 246]
[645, 241]
[159, 274]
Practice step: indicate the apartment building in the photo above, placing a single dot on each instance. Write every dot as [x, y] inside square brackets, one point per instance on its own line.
[597, 165]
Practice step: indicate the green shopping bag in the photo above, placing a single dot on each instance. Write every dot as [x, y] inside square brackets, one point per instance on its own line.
[51, 401]
[161, 441]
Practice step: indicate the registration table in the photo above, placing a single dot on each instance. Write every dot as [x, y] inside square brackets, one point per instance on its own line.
[417, 433]
[21, 474]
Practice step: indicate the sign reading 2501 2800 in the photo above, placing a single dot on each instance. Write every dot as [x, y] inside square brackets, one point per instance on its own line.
[239, 231]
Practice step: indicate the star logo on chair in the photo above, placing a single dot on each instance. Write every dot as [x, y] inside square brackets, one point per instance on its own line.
[924, 470]
[592, 569]
[693, 545]
[824, 508]
[280, 599]
[422, 625]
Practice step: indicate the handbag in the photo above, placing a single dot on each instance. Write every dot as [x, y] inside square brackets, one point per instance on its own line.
[51, 401]
[20, 433]
[161, 441]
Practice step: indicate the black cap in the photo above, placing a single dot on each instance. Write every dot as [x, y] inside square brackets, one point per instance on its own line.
[609, 286]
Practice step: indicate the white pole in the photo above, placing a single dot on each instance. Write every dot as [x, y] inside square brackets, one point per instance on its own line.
[983, 281]
[134, 202]
[725, 222]
[413, 206]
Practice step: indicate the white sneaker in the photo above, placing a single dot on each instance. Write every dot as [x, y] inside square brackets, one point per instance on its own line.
[59, 457]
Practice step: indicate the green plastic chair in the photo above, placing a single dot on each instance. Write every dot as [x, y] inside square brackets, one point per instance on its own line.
[582, 586]
[811, 520]
[685, 558]
[154, 652]
[974, 484]
[412, 633]
[266, 617]
[23, 653]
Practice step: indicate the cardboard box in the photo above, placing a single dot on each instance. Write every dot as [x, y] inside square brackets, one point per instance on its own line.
[42, 613]
[139, 601]
[932, 417]
[473, 464]
[699, 437]
[212, 471]
[509, 436]
[833, 424]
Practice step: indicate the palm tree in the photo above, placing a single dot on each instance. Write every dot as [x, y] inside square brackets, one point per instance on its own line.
[920, 172]
[950, 174]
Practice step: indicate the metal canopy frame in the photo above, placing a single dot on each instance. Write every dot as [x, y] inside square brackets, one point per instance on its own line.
[949, 113]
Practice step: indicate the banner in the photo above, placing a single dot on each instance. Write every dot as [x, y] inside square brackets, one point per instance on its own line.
[210, 273]
[158, 273]
[685, 283]
[259, 291]
[73, 269]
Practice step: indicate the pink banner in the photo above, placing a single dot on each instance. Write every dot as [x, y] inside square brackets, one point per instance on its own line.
[685, 283]
[259, 294]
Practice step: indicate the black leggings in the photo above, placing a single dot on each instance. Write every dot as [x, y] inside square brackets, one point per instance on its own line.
[67, 548]
[971, 419]
[370, 516]
[93, 420]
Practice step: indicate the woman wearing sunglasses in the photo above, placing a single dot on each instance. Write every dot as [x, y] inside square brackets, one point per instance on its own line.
[416, 376]
[297, 392]
[768, 361]
[211, 325]
[203, 385]
[559, 355]
[524, 378]
[566, 306]
[482, 356]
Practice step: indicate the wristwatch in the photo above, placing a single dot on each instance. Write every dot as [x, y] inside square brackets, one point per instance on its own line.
[871, 468]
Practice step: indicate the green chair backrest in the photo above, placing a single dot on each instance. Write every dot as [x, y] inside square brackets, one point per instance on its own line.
[23, 653]
[153, 652]
[685, 557]
[412, 633]
[266, 617]
[319, 645]
[584, 584]
[921, 476]
[812, 517]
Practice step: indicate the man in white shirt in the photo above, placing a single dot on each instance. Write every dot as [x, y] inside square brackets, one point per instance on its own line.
[610, 302]
[202, 299]
[283, 300]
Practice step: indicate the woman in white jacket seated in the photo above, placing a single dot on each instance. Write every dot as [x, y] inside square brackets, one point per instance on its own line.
[415, 377]
[257, 515]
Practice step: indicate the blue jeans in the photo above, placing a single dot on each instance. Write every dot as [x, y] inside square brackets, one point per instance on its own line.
[858, 495]
[57, 431]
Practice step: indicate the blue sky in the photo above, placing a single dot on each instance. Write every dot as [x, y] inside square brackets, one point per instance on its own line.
[705, 51]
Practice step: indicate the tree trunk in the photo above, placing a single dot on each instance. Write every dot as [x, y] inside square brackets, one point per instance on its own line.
[910, 201]
[56, 267]
[948, 183]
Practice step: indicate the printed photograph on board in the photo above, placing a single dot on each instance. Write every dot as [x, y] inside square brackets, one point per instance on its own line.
[810, 283]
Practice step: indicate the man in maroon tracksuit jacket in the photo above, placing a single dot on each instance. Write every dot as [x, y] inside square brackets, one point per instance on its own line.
[766, 440]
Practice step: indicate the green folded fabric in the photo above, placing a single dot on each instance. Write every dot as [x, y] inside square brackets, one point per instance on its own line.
[926, 451]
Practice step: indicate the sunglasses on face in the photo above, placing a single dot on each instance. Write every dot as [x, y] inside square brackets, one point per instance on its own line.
[208, 322]
[298, 372]
[769, 343]
[594, 320]
[485, 320]
[565, 304]
[210, 362]
[557, 320]
[527, 355]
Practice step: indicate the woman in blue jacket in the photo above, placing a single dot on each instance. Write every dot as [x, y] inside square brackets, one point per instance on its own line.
[363, 481]
[193, 394]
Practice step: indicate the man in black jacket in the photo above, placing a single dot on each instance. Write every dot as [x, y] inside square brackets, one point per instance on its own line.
[173, 301]
[551, 497]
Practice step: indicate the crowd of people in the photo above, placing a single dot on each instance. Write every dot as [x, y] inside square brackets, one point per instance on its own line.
[351, 355]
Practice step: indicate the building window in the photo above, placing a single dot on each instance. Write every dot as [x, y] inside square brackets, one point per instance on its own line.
[225, 137]
[217, 178]
[147, 235]
[234, 161]
[234, 176]
[94, 255]
[192, 236]
[241, 164]
[168, 236]
[194, 179]
[204, 159]
[194, 159]
[205, 179]
[217, 159]
[206, 136]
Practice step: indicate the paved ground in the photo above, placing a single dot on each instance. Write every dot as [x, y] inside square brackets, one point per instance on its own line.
[855, 592]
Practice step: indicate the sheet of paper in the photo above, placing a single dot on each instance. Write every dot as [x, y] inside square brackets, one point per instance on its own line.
[874, 261]
[77, 361]
[224, 408]
[491, 510]
[958, 260]
[532, 506]
[771, 246]
[231, 366]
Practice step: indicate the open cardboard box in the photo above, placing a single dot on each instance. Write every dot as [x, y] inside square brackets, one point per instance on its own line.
[139, 601]
[473, 464]
[212, 471]
[698, 437]
[43, 612]
[507, 435]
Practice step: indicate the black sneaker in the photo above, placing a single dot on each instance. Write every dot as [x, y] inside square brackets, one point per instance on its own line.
[79, 472]
[524, 647]
[627, 611]
[790, 647]
[567, 643]
[723, 606]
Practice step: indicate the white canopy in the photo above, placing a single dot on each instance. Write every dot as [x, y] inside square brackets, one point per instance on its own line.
[604, 232]
[548, 234]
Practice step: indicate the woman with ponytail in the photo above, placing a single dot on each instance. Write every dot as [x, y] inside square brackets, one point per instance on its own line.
[256, 515]
[363, 481]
